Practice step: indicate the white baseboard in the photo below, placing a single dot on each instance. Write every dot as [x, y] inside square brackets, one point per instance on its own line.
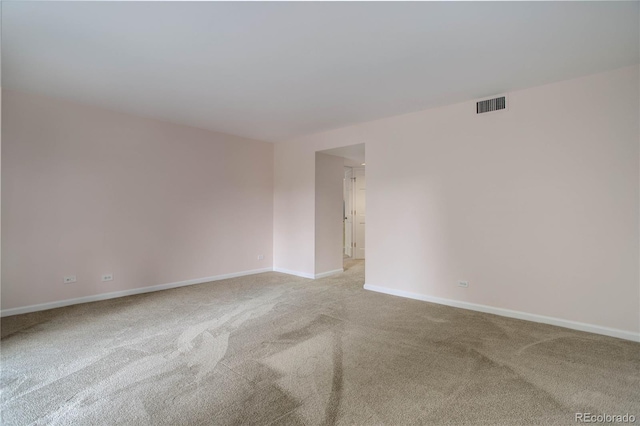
[329, 273]
[574, 325]
[306, 274]
[296, 273]
[116, 294]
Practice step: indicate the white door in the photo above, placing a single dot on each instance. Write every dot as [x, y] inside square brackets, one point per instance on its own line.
[348, 212]
[359, 189]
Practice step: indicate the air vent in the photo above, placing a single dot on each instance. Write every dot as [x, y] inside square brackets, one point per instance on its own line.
[489, 105]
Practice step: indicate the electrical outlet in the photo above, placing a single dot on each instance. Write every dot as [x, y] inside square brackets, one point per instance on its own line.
[70, 279]
[261, 257]
[107, 277]
[464, 284]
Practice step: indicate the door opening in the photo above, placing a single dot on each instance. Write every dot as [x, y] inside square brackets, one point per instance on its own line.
[347, 229]
[354, 208]
[340, 209]
[359, 212]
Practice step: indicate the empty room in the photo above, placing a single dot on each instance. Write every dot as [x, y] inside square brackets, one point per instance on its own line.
[320, 213]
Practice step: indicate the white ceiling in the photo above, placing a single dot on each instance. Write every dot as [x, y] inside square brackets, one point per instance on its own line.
[275, 71]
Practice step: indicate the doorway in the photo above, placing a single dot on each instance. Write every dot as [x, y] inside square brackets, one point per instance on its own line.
[359, 212]
[354, 211]
[350, 246]
[347, 208]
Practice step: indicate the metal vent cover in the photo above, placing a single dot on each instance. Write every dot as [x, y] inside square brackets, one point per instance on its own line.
[489, 105]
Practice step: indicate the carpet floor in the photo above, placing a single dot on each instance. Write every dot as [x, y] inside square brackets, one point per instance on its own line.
[276, 349]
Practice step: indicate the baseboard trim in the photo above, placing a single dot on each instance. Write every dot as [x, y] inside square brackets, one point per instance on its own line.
[574, 325]
[296, 273]
[329, 273]
[307, 275]
[123, 293]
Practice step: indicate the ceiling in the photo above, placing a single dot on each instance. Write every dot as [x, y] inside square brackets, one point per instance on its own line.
[275, 70]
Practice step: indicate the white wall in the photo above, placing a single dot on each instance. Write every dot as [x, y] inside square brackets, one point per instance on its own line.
[86, 191]
[294, 210]
[329, 191]
[536, 207]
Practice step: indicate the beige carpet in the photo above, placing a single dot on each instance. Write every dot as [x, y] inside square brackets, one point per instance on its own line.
[276, 349]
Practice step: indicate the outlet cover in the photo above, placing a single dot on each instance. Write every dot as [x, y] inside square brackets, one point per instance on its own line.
[107, 277]
[70, 279]
[261, 257]
[464, 284]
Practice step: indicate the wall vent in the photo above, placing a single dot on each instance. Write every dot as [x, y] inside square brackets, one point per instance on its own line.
[489, 105]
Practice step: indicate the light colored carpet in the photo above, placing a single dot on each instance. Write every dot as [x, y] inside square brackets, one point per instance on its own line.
[276, 349]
